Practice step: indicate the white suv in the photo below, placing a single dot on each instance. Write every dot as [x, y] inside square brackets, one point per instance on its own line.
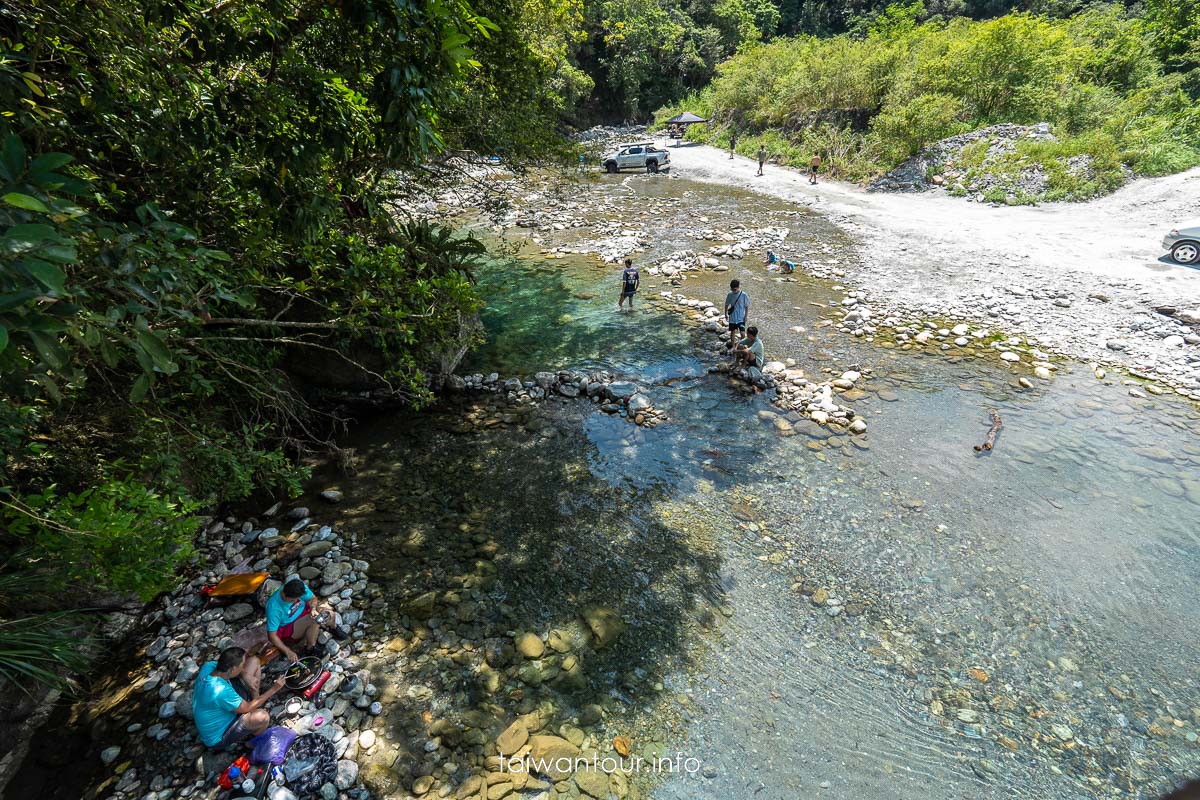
[639, 155]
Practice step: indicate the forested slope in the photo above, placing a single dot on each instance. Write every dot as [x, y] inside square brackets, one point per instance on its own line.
[194, 230]
[1115, 94]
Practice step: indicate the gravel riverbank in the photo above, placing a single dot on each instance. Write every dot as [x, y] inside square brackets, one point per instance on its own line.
[1087, 280]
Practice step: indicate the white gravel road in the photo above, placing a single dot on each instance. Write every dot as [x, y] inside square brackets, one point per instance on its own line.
[1083, 279]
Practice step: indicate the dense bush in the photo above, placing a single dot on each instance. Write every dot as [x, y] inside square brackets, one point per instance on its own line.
[193, 205]
[1095, 77]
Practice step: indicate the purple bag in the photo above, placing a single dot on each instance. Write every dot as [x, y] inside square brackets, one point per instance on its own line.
[271, 746]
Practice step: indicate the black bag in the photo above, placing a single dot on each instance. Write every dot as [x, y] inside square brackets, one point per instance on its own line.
[311, 762]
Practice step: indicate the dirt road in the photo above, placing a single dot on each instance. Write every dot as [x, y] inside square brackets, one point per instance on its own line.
[1080, 278]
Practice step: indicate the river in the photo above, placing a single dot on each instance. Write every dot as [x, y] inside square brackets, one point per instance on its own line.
[812, 615]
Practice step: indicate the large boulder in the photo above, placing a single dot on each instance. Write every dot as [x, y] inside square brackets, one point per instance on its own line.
[621, 390]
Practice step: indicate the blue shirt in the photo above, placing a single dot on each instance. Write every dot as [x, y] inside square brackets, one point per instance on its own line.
[214, 701]
[738, 304]
[280, 612]
[630, 276]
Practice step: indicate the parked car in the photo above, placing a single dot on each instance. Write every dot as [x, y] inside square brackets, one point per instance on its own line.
[637, 155]
[1183, 243]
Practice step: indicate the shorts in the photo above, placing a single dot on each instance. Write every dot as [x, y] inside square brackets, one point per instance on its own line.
[236, 733]
[737, 326]
[627, 292]
[285, 631]
[814, 169]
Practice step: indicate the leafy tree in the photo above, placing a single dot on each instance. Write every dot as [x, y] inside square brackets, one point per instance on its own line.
[907, 79]
[1174, 28]
[196, 237]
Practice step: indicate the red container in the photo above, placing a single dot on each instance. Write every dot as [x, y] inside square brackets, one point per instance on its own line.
[242, 763]
[311, 691]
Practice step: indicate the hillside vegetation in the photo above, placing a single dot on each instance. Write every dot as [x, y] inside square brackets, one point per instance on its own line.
[866, 103]
[196, 244]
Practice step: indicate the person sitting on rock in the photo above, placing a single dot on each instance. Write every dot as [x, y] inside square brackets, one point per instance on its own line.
[749, 352]
[223, 717]
[290, 618]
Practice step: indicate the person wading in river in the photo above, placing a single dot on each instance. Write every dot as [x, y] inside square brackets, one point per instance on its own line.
[814, 167]
[762, 158]
[629, 283]
[737, 308]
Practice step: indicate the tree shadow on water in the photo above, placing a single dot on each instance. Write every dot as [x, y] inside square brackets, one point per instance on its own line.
[517, 582]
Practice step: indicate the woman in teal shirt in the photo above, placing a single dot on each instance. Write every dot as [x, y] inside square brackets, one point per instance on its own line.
[289, 618]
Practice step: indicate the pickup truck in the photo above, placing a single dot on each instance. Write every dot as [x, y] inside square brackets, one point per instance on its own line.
[638, 155]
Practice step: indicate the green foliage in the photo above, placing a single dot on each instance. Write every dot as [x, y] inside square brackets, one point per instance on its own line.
[40, 649]
[866, 103]
[642, 53]
[1174, 29]
[195, 236]
[118, 534]
[910, 126]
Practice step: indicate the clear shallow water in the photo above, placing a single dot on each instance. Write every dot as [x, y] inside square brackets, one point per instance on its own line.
[1027, 624]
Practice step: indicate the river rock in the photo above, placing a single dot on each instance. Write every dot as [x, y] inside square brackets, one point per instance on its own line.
[530, 645]
[331, 496]
[605, 624]
[568, 390]
[621, 390]
[592, 782]
[379, 779]
[297, 513]
[421, 606]
[347, 772]
[639, 402]
[316, 549]
[513, 738]
[238, 611]
[546, 751]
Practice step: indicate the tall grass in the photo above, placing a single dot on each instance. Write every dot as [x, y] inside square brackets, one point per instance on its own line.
[37, 648]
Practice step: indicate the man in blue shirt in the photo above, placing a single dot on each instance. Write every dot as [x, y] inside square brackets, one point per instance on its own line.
[223, 718]
[290, 619]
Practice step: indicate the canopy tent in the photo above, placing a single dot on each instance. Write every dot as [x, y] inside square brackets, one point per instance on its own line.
[686, 118]
[677, 123]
